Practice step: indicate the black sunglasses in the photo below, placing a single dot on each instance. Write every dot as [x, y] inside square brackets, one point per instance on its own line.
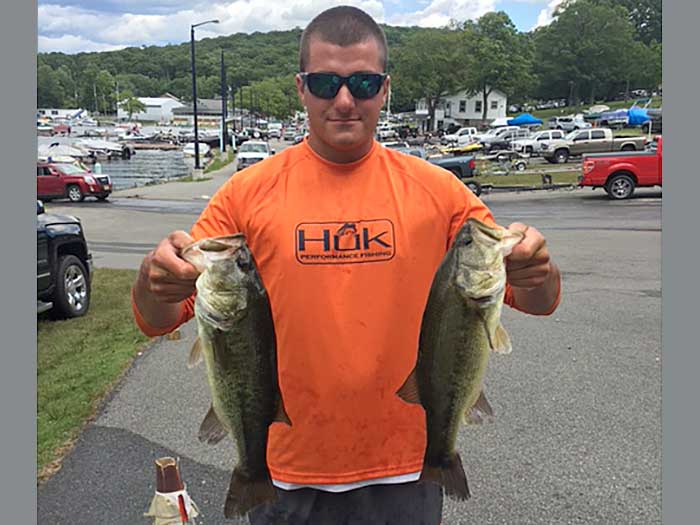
[326, 85]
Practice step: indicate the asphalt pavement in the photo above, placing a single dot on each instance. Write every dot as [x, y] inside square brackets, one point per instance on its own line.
[577, 433]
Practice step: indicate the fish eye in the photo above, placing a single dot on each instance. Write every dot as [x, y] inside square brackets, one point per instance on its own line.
[467, 242]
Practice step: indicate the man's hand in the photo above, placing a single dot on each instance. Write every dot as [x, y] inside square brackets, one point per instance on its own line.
[164, 274]
[527, 266]
[530, 272]
[164, 281]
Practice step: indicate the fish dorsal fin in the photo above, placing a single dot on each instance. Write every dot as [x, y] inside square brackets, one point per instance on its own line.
[409, 390]
[211, 430]
[499, 341]
[281, 415]
[195, 356]
[481, 409]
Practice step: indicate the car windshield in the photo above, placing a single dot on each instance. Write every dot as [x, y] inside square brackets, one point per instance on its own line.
[247, 147]
[70, 169]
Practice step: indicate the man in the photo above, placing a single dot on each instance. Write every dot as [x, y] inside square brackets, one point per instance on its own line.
[347, 236]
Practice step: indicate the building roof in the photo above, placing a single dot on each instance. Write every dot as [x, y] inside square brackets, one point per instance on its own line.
[205, 106]
[156, 101]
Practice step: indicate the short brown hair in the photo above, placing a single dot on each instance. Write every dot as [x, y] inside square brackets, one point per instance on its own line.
[343, 26]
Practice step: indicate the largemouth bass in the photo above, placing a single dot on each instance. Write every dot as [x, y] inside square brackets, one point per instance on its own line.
[237, 341]
[460, 326]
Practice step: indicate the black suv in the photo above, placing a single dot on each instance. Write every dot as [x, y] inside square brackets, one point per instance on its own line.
[63, 265]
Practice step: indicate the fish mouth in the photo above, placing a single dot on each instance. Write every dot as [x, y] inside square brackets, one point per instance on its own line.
[211, 249]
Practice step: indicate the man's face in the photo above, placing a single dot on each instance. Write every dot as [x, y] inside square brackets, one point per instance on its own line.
[342, 128]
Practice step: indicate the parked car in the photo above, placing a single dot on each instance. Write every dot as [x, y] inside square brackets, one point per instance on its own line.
[386, 131]
[503, 139]
[569, 123]
[620, 173]
[597, 140]
[62, 180]
[490, 133]
[289, 134]
[533, 144]
[251, 152]
[274, 130]
[461, 136]
[64, 265]
[462, 167]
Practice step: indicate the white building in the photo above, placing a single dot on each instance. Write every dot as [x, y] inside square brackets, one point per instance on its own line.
[57, 113]
[462, 109]
[158, 109]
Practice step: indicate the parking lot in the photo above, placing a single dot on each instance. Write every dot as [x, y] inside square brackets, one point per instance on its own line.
[577, 433]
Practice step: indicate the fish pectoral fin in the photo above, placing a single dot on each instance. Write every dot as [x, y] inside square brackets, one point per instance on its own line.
[211, 430]
[481, 409]
[195, 356]
[281, 415]
[501, 341]
[409, 390]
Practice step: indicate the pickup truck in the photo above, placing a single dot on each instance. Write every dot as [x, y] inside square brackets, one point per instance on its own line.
[595, 140]
[63, 265]
[463, 166]
[621, 173]
[61, 179]
[460, 137]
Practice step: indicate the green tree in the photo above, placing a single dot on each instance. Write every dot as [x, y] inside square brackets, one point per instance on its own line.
[429, 65]
[586, 50]
[498, 57]
[131, 104]
[50, 93]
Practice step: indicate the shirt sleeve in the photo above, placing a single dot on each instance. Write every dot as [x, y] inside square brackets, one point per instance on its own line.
[216, 220]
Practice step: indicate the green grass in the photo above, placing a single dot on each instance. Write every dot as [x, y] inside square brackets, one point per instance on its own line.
[528, 179]
[79, 360]
[219, 163]
[189, 178]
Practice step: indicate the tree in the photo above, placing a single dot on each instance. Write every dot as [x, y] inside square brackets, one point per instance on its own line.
[585, 50]
[498, 57]
[429, 65]
[131, 104]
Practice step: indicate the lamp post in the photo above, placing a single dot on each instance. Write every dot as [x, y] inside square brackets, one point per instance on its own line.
[194, 91]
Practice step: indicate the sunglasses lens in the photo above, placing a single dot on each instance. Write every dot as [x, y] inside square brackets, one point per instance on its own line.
[361, 85]
[364, 85]
[323, 85]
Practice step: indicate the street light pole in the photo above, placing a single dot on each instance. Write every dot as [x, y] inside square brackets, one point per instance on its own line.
[194, 91]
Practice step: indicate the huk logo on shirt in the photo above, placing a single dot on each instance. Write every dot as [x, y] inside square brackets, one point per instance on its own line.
[344, 242]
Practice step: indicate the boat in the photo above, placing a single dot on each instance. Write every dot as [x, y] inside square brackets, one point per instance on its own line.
[188, 150]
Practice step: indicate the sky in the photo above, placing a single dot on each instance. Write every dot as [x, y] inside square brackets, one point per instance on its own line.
[74, 26]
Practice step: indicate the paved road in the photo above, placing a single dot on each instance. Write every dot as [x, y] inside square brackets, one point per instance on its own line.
[577, 438]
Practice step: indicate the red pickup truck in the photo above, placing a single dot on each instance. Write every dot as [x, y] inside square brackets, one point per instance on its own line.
[60, 180]
[620, 173]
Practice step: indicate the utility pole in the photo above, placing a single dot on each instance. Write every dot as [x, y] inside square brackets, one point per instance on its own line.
[224, 98]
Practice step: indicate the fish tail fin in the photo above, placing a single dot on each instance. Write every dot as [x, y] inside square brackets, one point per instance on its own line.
[244, 494]
[450, 476]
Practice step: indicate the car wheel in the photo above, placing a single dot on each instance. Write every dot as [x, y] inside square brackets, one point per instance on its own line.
[521, 165]
[529, 150]
[628, 147]
[75, 194]
[474, 186]
[561, 156]
[620, 187]
[72, 295]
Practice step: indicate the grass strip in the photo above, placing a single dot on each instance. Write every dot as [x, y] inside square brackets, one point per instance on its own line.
[79, 361]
